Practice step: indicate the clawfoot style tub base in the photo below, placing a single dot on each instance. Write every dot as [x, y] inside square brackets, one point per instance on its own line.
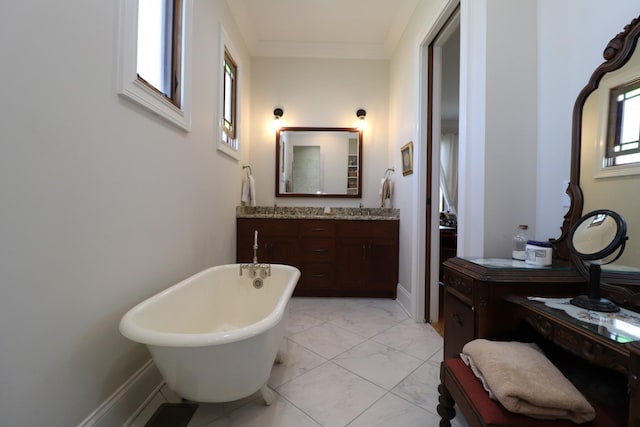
[267, 394]
[214, 337]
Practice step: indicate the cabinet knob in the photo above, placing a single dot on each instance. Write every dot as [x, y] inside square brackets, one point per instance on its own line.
[319, 250]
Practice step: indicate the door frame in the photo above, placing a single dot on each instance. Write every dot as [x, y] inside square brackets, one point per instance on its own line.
[426, 298]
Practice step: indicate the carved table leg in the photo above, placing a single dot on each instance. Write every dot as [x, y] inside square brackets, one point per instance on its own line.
[445, 401]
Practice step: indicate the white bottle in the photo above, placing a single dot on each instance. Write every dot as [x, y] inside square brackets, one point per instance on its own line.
[520, 243]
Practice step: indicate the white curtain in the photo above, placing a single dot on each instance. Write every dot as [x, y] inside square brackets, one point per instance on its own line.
[449, 170]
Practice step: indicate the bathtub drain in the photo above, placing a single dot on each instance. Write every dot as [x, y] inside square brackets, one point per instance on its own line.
[257, 283]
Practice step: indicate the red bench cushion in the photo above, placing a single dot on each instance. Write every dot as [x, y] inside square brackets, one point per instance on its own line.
[493, 413]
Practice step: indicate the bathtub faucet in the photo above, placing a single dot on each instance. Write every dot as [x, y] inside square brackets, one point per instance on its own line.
[255, 268]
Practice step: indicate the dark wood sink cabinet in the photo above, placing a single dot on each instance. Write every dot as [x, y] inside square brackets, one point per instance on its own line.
[336, 257]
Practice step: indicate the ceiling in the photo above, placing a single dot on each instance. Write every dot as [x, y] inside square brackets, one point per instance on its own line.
[355, 29]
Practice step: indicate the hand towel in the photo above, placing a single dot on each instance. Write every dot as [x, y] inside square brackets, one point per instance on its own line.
[524, 381]
[386, 191]
[248, 196]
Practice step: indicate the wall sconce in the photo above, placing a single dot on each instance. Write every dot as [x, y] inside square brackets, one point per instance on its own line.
[361, 114]
[278, 113]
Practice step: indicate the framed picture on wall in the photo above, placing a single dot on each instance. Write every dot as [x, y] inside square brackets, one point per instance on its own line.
[406, 152]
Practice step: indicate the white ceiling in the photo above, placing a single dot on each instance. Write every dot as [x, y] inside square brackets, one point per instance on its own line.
[359, 29]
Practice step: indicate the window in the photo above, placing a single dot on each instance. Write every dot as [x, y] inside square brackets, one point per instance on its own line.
[229, 109]
[623, 130]
[155, 57]
[229, 97]
[159, 49]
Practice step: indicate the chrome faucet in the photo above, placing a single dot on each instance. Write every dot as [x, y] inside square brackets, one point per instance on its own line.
[255, 268]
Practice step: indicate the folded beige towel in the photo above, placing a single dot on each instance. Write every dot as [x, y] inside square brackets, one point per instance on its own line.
[524, 381]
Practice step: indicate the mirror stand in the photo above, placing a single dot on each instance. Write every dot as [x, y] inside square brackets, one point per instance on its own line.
[597, 238]
[593, 301]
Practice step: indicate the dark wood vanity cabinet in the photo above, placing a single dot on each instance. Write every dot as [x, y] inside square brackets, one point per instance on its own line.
[336, 257]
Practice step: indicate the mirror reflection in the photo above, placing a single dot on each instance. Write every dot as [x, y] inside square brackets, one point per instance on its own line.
[318, 162]
[598, 234]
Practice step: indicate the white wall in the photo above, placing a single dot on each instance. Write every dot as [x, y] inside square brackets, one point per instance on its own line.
[102, 204]
[404, 118]
[511, 123]
[320, 93]
[498, 124]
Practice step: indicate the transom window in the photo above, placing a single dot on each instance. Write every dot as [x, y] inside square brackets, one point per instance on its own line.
[154, 66]
[623, 130]
[230, 89]
[159, 47]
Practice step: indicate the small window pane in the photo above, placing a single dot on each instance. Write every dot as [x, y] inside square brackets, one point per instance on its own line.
[630, 119]
[623, 136]
[229, 101]
[151, 42]
[159, 49]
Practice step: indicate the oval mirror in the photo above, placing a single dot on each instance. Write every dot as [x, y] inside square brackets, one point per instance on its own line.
[598, 237]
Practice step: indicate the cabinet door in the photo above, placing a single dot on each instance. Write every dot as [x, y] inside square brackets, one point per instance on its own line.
[380, 268]
[278, 241]
[282, 250]
[368, 267]
[351, 260]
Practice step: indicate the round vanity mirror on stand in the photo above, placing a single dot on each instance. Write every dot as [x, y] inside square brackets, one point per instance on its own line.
[597, 238]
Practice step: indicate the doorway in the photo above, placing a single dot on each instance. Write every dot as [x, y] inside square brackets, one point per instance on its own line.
[443, 88]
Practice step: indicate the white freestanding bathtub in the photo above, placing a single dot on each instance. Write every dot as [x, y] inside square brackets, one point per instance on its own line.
[214, 336]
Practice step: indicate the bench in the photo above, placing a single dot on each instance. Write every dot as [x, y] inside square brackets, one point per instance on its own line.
[459, 386]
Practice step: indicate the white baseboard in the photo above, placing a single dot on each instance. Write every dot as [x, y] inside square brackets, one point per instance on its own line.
[404, 299]
[127, 400]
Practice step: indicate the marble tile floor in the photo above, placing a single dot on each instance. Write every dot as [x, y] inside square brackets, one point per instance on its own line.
[349, 362]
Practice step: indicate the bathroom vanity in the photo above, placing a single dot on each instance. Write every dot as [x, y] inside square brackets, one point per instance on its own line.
[344, 252]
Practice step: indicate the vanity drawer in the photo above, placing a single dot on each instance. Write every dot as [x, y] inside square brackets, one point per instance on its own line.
[318, 249]
[459, 283]
[368, 228]
[316, 279]
[317, 228]
[459, 325]
[266, 227]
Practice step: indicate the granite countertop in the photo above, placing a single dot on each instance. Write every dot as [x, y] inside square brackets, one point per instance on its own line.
[379, 214]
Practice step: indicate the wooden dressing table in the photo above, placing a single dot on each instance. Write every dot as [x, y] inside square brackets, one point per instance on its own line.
[488, 298]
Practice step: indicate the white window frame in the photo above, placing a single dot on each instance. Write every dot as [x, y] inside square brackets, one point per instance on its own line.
[604, 90]
[130, 87]
[225, 42]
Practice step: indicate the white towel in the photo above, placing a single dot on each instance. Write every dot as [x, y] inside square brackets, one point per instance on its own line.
[248, 191]
[521, 377]
[386, 191]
